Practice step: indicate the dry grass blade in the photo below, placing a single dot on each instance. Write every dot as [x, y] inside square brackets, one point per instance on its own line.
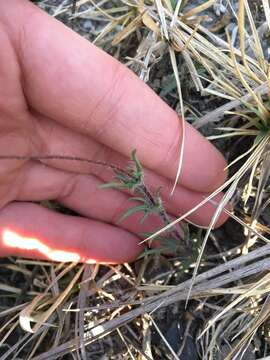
[25, 316]
[126, 344]
[199, 8]
[10, 311]
[266, 7]
[174, 355]
[161, 14]
[88, 275]
[129, 29]
[257, 48]
[176, 13]
[182, 119]
[10, 330]
[226, 198]
[9, 288]
[241, 26]
[38, 343]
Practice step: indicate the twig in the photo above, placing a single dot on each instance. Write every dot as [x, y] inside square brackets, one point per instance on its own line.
[60, 157]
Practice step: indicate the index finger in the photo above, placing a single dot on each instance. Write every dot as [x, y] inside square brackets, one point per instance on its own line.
[70, 80]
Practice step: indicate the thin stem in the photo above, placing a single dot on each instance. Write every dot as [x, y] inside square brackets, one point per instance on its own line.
[63, 157]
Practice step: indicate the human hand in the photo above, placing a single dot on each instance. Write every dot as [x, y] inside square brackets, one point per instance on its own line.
[61, 95]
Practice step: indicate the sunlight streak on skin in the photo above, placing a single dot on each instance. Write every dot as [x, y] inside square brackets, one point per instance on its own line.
[14, 240]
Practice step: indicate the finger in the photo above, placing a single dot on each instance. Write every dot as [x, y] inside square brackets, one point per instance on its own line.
[58, 140]
[58, 237]
[73, 82]
[82, 193]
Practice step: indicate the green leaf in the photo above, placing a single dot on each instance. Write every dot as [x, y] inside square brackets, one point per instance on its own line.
[132, 211]
[111, 185]
[140, 199]
[145, 216]
[136, 162]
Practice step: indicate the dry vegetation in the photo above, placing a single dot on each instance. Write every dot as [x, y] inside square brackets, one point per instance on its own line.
[140, 311]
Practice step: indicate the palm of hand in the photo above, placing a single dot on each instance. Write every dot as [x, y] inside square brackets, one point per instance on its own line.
[63, 96]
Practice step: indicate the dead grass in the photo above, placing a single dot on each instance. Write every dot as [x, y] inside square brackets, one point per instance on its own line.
[128, 311]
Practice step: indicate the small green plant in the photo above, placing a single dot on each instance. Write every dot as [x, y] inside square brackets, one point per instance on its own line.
[132, 179]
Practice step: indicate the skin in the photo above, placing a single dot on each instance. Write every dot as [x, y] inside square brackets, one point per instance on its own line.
[61, 95]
